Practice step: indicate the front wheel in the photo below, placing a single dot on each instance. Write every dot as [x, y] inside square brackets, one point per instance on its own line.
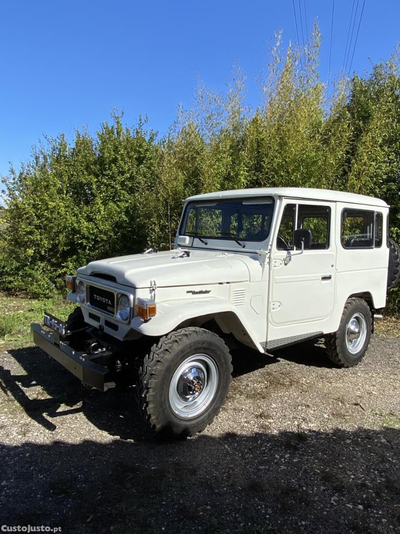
[183, 381]
[348, 345]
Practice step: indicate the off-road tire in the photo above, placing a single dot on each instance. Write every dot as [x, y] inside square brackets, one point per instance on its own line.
[158, 375]
[394, 265]
[337, 344]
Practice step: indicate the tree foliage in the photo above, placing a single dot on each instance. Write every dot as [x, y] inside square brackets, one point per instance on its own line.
[121, 190]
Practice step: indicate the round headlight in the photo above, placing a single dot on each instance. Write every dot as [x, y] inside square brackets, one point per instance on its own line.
[123, 308]
[81, 292]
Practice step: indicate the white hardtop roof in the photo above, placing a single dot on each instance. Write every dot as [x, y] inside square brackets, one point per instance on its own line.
[301, 193]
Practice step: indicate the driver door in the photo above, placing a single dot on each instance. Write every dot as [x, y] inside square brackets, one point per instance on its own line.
[302, 283]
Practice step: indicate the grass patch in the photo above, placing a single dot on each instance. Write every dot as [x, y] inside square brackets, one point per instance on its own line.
[388, 326]
[389, 420]
[19, 312]
[6, 325]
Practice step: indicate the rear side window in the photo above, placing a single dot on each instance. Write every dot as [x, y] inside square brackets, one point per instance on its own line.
[378, 229]
[358, 229]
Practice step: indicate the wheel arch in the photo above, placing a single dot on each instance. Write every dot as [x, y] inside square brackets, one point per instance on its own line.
[227, 322]
[365, 295]
[181, 314]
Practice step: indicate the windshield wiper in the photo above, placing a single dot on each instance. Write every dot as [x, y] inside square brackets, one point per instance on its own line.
[239, 243]
[201, 239]
[234, 239]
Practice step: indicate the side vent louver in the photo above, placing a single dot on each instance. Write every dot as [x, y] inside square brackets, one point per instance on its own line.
[238, 297]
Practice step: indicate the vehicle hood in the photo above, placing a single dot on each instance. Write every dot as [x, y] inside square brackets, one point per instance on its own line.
[167, 269]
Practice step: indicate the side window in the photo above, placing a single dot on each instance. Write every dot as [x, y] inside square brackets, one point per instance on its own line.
[358, 228]
[317, 220]
[313, 218]
[378, 229]
[286, 230]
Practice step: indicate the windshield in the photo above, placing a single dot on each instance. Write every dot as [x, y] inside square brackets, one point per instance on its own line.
[243, 220]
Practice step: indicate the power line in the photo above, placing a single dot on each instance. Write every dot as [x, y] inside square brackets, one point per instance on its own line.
[330, 44]
[351, 36]
[348, 35]
[301, 25]
[358, 30]
[297, 29]
[305, 17]
[295, 20]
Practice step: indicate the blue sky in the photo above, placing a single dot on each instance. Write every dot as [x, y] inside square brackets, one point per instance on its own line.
[67, 64]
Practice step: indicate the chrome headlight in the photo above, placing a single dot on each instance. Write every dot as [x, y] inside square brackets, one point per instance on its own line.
[123, 308]
[81, 292]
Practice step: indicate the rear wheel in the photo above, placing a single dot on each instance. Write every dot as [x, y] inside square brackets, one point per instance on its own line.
[348, 345]
[183, 381]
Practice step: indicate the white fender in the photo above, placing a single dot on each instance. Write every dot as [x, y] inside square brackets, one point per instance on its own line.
[172, 314]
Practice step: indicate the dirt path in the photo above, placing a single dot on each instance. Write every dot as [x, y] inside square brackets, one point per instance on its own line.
[299, 446]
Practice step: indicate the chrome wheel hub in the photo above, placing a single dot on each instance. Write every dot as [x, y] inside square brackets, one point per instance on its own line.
[191, 383]
[356, 333]
[193, 386]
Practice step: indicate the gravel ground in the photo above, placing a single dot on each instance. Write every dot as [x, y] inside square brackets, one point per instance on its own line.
[299, 446]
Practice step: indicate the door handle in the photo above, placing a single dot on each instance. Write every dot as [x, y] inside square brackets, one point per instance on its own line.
[326, 277]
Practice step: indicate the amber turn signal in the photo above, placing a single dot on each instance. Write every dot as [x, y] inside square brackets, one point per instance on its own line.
[146, 309]
[70, 282]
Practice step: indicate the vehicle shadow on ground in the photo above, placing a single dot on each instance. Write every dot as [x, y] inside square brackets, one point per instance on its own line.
[45, 390]
[56, 393]
[310, 353]
[341, 481]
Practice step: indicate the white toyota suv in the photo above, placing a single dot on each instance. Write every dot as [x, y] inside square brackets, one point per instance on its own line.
[263, 267]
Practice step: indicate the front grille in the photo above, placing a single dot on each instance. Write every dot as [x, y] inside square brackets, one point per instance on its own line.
[102, 299]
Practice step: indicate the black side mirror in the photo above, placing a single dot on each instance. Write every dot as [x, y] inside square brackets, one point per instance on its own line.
[302, 239]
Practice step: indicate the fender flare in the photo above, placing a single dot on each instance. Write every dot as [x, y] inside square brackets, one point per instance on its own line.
[172, 314]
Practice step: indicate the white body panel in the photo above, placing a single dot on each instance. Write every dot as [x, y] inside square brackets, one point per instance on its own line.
[302, 292]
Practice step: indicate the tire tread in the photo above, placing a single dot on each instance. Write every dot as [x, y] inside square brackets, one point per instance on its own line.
[153, 366]
[333, 341]
[394, 265]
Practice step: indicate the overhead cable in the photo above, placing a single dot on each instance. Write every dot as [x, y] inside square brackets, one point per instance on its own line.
[348, 35]
[353, 25]
[358, 31]
[330, 44]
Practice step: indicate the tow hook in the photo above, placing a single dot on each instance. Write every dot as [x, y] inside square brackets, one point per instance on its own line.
[94, 348]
